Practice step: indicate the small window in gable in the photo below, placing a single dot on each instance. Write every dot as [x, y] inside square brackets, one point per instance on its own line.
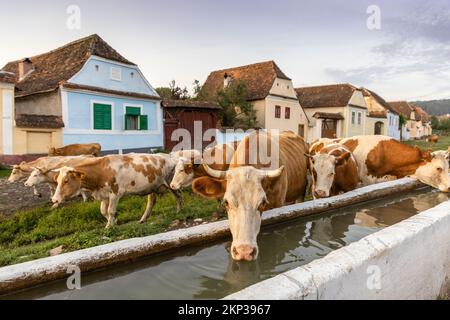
[116, 74]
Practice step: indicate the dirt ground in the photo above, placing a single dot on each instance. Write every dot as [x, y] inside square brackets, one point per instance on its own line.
[15, 196]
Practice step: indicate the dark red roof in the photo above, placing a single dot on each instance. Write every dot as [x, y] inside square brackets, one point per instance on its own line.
[190, 104]
[7, 77]
[61, 64]
[402, 107]
[258, 78]
[335, 95]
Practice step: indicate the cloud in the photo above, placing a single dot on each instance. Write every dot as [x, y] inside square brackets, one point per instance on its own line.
[415, 43]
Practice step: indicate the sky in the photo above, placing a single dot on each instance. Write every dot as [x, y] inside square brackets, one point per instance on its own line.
[405, 54]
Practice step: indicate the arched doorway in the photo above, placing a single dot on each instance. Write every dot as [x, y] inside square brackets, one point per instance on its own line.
[379, 127]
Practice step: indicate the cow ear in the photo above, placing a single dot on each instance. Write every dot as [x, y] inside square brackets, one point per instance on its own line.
[343, 158]
[209, 187]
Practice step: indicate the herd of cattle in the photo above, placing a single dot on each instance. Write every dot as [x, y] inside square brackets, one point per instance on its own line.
[246, 187]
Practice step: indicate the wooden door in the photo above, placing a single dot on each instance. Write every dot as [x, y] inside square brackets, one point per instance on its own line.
[329, 128]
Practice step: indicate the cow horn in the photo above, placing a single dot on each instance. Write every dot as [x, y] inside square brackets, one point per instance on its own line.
[214, 173]
[274, 173]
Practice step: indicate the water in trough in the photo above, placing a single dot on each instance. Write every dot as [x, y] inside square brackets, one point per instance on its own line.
[208, 272]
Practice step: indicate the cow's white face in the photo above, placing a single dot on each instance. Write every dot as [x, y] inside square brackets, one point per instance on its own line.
[184, 174]
[69, 184]
[435, 173]
[325, 169]
[17, 174]
[245, 199]
[37, 176]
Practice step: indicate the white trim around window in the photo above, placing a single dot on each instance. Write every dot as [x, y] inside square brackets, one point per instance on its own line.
[113, 127]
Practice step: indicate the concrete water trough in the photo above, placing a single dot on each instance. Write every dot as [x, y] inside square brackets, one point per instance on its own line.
[37, 272]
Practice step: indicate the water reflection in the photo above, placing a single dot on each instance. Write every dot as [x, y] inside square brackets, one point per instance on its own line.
[208, 272]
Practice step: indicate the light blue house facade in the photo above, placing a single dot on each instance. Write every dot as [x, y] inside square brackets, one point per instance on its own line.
[114, 105]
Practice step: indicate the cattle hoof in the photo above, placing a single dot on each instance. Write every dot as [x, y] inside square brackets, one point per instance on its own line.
[141, 221]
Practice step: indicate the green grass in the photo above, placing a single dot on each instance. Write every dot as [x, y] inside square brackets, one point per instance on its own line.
[443, 144]
[31, 233]
[4, 173]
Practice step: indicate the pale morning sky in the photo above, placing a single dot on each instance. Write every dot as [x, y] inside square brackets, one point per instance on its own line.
[314, 42]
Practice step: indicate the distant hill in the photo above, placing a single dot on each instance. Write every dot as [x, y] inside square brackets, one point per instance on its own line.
[435, 107]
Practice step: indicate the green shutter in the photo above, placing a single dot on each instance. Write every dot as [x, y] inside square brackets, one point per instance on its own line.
[133, 111]
[143, 122]
[102, 117]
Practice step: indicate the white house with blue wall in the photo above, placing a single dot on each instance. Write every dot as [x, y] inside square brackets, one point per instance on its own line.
[99, 95]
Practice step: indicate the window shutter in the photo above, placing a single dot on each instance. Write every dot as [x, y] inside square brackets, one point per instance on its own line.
[143, 122]
[102, 117]
[133, 111]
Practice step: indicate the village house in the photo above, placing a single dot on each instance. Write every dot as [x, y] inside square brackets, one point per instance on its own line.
[335, 111]
[425, 121]
[82, 92]
[414, 128]
[271, 92]
[382, 119]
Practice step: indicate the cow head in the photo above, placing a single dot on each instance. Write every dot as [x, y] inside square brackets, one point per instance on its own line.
[325, 170]
[184, 174]
[245, 199]
[69, 184]
[17, 173]
[37, 176]
[435, 171]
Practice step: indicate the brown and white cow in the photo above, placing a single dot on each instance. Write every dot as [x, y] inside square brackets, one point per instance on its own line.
[110, 178]
[249, 188]
[433, 139]
[24, 169]
[76, 150]
[382, 158]
[334, 169]
[187, 169]
[46, 173]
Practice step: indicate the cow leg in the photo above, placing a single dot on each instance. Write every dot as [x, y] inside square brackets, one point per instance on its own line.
[85, 196]
[104, 208]
[36, 192]
[151, 200]
[179, 197]
[112, 208]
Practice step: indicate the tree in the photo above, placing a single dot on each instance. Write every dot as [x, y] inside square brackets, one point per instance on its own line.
[236, 111]
[435, 122]
[173, 92]
[401, 123]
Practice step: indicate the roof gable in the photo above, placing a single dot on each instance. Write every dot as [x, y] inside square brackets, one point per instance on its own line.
[258, 78]
[402, 107]
[61, 64]
[336, 95]
[376, 113]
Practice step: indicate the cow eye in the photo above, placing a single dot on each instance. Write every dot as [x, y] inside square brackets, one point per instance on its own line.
[331, 174]
[226, 203]
[66, 180]
[439, 169]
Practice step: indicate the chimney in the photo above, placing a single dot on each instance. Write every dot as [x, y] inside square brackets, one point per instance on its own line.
[226, 80]
[25, 68]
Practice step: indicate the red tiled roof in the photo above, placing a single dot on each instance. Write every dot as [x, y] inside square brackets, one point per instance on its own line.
[402, 107]
[7, 77]
[336, 95]
[61, 64]
[258, 78]
[190, 104]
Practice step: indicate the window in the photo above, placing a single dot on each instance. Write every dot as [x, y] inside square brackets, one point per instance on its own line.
[134, 120]
[353, 117]
[287, 113]
[359, 118]
[116, 74]
[277, 112]
[102, 114]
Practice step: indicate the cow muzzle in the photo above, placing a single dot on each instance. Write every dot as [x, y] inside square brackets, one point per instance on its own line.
[244, 252]
[320, 194]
